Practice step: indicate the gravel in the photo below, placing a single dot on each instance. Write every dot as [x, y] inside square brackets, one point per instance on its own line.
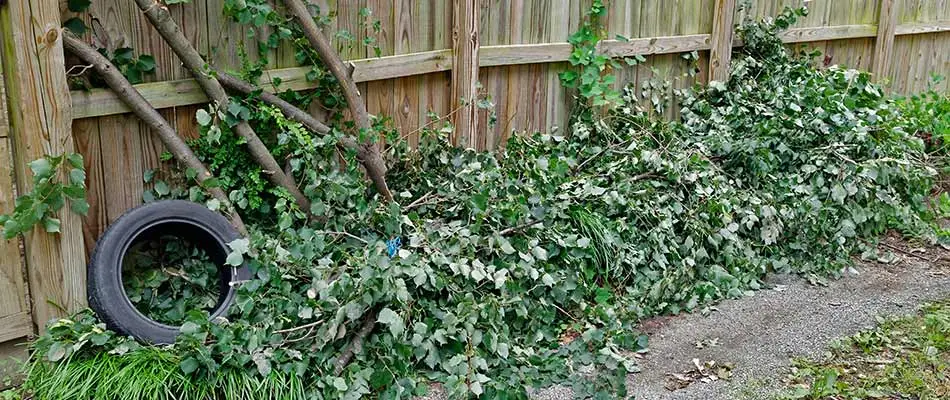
[759, 335]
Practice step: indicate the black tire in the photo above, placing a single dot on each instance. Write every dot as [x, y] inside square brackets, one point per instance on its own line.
[190, 221]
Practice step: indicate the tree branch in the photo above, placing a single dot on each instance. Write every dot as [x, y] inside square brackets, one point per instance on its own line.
[308, 121]
[356, 345]
[142, 109]
[159, 16]
[368, 152]
[519, 228]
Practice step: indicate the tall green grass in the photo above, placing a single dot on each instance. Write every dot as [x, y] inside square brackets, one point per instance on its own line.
[151, 374]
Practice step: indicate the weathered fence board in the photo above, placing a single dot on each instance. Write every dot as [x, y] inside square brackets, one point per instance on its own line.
[39, 111]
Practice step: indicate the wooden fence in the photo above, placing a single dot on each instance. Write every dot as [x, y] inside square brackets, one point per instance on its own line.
[429, 49]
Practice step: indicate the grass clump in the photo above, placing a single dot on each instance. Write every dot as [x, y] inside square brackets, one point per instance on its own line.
[906, 357]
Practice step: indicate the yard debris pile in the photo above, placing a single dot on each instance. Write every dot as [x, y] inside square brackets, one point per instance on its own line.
[483, 262]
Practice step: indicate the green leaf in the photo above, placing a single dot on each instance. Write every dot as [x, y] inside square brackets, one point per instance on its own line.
[189, 328]
[393, 320]
[540, 253]
[79, 206]
[76, 26]
[505, 246]
[340, 384]
[78, 5]
[77, 177]
[203, 117]
[162, 188]
[189, 365]
[123, 56]
[56, 352]
[242, 246]
[234, 259]
[41, 168]
[51, 224]
[146, 63]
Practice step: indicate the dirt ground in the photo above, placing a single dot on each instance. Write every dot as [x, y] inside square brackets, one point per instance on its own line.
[751, 340]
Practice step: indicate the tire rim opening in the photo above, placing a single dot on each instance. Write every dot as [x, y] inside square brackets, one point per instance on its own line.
[167, 277]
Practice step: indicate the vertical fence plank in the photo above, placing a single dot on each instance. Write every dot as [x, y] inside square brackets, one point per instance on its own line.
[406, 94]
[884, 47]
[86, 135]
[723, 34]
[380, 93]
[465, 72]
[41, 117]
[12, 288]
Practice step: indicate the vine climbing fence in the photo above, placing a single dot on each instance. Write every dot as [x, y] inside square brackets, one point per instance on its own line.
[419, 67]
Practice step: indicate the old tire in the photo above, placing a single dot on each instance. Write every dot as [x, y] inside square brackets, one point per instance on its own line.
[190, 221]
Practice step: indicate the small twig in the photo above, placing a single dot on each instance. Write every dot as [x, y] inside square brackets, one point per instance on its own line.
[565, 313]
[347, 234]
[433, 122]
[519, 228]
[82, 69]
[580, 167]
[418, 201]
[299, 328]
[905, 252]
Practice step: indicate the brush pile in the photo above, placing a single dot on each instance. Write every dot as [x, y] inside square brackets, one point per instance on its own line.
[496, 273]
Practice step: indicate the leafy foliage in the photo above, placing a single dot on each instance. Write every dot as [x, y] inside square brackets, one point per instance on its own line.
[929, 115]
[593, 77]
[832, 160]
[495, 273]
[166, 277]
[50, 194]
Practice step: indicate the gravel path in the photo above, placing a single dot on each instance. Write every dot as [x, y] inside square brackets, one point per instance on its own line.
[758, 335]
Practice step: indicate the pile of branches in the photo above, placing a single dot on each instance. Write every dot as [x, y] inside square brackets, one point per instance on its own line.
[498, 273]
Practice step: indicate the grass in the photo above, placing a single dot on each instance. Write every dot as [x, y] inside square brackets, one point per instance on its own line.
[148, 374]
[903, 358]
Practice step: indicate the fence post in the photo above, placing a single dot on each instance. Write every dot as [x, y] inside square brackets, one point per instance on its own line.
[465, 73]
[884, 45]
[41, 121]
[723, 34]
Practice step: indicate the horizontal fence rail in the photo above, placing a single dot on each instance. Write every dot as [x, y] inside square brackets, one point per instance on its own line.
[103, 102]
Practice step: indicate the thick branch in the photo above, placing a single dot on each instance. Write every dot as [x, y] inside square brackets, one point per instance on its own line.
[151, 117]
[356, 345]
[368, 153]
[161, 19]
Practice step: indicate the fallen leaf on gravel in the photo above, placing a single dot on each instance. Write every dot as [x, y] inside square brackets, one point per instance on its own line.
[702, 344]
[709, 371]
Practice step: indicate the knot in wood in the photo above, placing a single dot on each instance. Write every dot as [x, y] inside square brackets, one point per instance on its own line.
[51, 35]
